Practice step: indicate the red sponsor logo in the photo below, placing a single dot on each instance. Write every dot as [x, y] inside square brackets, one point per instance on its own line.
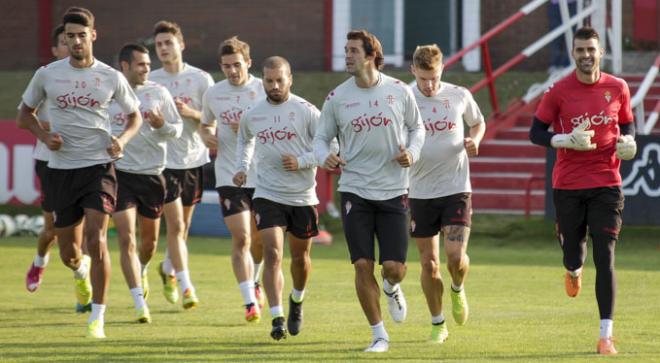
[231, 116]
[438, 126]
[364, 122]
[271, 136]
[72, 100]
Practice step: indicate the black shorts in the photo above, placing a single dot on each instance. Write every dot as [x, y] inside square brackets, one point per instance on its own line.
[144, 192]
[386, 220]
[597, 208]
[184, 183]
[41, 169]
[74, 190]
[234, 200]
[428, 216]
[301, 222]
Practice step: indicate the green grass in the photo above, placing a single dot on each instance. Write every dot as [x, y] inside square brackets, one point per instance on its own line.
[314, 86]
[519, 311]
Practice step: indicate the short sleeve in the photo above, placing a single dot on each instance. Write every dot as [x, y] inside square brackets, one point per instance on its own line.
[548, 109]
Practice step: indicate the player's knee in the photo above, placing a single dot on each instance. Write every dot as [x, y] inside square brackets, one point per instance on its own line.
[430, 267]
[603, 250]
[394, 271]
[455, 260]
[364, 266]
[272, 255]
[300, 259]
[48, 234]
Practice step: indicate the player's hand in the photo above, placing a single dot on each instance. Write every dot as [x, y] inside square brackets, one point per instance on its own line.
[239, 178]
[155, 118]
[234, 126]
[404, 158]
[208, 138]
[185, 110]
[53, 141]
[471, 146]
[579, 139]
[289, 162]
[626, 147]
[116, 148]
[333, 161]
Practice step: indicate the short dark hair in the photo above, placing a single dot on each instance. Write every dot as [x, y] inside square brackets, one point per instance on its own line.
[371, 45]
[55, 35]
[165, 26]
[78, 15]
[234, 46]
[275, 62]
[586, 33]
[126, 52]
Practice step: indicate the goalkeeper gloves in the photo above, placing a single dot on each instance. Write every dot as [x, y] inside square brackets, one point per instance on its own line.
[626, 147]
[579, 139]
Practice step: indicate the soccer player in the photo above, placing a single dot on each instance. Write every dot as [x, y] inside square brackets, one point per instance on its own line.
[141, 190]
[186, 157]
[280, 130]
[380, 133]
[223, 105]
[81, 176]
[41, 154]
[590, 113]
[440, 190]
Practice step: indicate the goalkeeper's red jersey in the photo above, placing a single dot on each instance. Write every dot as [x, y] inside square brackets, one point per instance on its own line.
[606, 104]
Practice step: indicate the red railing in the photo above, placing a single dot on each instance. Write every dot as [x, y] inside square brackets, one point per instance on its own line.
[528, 193]
[485, 54]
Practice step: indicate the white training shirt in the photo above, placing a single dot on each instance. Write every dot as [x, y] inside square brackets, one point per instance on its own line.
[443, 167]
[189, 85]
[371, 124]
[270, 131]
[225, 103]
[146, 152]
[77, 101]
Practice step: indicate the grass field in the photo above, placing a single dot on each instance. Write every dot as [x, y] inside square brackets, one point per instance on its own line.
[519, 311]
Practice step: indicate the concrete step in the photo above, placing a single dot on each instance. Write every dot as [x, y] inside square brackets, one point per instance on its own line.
[510, 148]
[515, 212]
[514, 133]
[500, 180]
[507, 199]
[485, 164]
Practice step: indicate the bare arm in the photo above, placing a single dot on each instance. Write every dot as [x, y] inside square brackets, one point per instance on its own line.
[472, 142]
[27, 119]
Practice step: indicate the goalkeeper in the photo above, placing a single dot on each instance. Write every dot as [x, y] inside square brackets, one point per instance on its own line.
[590, 113]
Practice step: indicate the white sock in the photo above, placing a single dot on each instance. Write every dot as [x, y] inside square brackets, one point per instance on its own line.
[41, 261]
[247, 291]
[575, 273]
[82, 271]
[388, 287]
[143, 268]
[138, 297]
[438, 319]
[456, 288]
[276, 311]
[98, 312]
[168, 268]
[606, 326]
[378, 331]
[183, 278]
[297, 295]
[257, 271]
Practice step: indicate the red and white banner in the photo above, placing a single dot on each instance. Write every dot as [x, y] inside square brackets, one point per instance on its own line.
[18, 182]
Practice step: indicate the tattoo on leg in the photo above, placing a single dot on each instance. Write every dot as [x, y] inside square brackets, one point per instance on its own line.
[455, 234]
